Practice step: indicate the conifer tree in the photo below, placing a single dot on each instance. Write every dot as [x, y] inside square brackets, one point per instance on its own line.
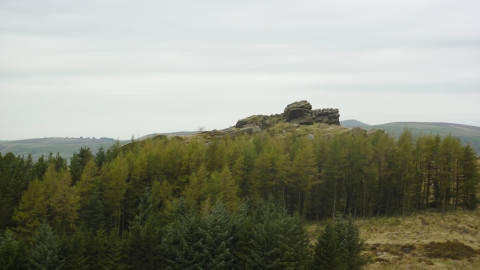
[32, 209]
[45, 249]
[13, 252]
[217, 239]
[100, 157]
[339, 247]
[182, 243]
[196, 190]
[73, 250]
[327, 250]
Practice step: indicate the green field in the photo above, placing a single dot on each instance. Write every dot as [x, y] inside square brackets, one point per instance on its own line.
[64, 146]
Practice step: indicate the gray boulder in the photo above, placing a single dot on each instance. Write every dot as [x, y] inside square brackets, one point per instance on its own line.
[250, 130]
[298, 109]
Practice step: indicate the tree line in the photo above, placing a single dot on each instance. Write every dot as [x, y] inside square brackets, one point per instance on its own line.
[151, 189]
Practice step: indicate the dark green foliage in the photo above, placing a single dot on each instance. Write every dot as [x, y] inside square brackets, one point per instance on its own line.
[13, 252]
[78, 162]
[59, 161]
[73, 250]
[15, 175]
[339, 247]
[104, 251]
[45, 251]
[182, 244]
[100, 157]
[268, 238]
[92, 211]
[327, 250]
[112, 152]
[123, 208]
[218, 239]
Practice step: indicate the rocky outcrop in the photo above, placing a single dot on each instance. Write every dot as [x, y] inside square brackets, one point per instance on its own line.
[259, 120]
[297, 113]
[327, 116]
[301, 112]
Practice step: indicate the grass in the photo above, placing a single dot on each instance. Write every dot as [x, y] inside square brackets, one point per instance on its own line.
[427, 240]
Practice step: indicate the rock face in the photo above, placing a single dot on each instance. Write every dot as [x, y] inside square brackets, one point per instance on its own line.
[259, 120]
[298, 110]
[327, 116]
[301, 112]
[297, 113]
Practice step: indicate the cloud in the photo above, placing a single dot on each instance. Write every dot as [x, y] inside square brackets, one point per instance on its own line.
[175, 65]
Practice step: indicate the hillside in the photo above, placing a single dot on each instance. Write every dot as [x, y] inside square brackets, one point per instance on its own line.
[179, 133]
[273, 180]
[43, 146]
[466, 134]
[395, 243]
[353, 123]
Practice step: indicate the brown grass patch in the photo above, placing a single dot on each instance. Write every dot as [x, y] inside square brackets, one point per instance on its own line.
[450, 250]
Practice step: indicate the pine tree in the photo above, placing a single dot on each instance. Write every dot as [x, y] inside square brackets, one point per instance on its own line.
[32, 209]
[45, 249]
[327, 250]
[13, 252]
[218, 239]
[62, 202]
[73, 249]
[196, 190]
[100, 157]
[114, 186]
[353, 246]
[339, 247]
[182, 243]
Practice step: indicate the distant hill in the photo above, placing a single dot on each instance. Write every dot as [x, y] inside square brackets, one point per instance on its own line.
[466, 134]
[353, 123]
[64, 146]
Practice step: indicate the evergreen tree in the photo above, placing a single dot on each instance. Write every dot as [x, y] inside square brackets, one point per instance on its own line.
[45, 249]
[13, 252]
[353, 246]
[327, 250]
[100, 157]
[32, 209]
[73, 250]
[182, 243]
[218, 239]
[339, 247]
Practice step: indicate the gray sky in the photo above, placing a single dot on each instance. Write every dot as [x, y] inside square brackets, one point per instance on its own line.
[117, 68]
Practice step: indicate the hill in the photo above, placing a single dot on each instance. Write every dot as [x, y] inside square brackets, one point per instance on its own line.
[466, 134]
[64, 146]
[179, 133]
[353, 123]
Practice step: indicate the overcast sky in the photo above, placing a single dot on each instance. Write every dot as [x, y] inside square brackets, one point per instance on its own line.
[123, 68]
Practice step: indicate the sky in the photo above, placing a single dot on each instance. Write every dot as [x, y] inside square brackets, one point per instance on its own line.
[118, 69]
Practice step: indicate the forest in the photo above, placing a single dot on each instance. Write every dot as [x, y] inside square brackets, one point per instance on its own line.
[224, 203]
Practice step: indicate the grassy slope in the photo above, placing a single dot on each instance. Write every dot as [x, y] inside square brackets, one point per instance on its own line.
[180, 133]
[65, 146]
[385, 239]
